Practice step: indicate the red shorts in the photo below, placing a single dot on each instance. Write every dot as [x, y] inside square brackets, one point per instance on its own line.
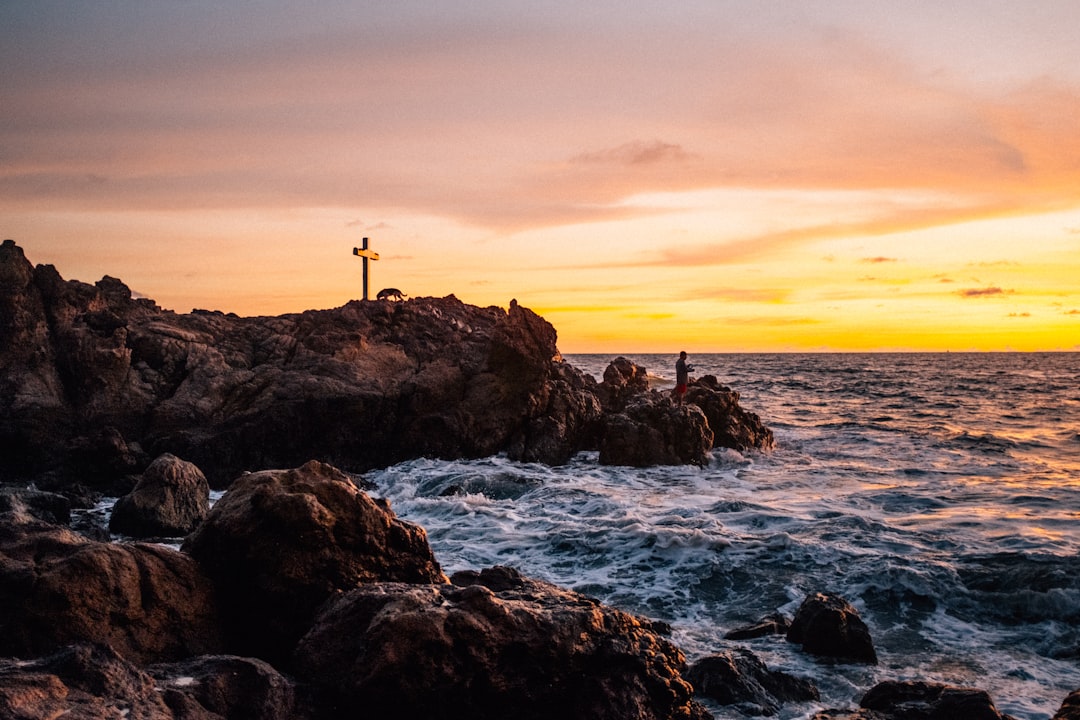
[680, 388]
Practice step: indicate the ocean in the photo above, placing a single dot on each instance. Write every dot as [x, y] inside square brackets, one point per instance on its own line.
[938, 493]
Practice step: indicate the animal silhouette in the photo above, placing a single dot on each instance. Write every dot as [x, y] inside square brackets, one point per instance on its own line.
[390, 294]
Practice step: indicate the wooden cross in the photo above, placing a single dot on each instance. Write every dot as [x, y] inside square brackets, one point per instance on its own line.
[366, 254]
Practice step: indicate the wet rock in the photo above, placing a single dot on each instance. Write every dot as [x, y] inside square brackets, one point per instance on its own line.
[170, 500]
[1070, 708]
[929, 701]
[732, 426]
[653, 431]
[150, 603]
[526, 650]
[738, 677]
[279, 543]
[829, 626]
[775, 624]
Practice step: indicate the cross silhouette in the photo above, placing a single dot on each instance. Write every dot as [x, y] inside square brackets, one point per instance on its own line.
[366, 255]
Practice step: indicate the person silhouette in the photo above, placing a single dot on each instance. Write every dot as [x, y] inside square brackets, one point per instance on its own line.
[682, 377]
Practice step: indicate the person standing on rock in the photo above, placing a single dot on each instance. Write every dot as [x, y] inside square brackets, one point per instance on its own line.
[682, 377]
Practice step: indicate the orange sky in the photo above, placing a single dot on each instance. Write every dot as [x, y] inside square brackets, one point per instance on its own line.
[709, 175]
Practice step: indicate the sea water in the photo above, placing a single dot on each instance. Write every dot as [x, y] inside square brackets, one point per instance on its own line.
[938, 493]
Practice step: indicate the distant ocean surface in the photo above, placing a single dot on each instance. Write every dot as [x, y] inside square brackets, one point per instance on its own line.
[939, 493]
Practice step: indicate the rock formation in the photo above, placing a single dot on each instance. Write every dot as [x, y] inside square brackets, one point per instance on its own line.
[919, 701]
[738, 677]
[492, 645]
[170, 500]
[829, 626]
[94, 383]
[281, 542]
[149, 602]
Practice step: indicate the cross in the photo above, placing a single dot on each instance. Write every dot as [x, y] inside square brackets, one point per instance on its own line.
[366, 254]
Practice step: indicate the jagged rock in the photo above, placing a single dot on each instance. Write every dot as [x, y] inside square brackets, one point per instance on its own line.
[149, 602]
[525, 650]
[82, 682]
[94, 383]
[738, 677]
[228, 686]
[623, 381]
[280, 542]
[170, 500]
[1070, 708]
[775, 624]
[732, 426]
[653, 431]
[828, 625]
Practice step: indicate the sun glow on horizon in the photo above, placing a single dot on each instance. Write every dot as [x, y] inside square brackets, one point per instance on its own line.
[723, 178]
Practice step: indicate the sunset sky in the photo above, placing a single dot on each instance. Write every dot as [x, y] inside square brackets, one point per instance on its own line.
[707, 175]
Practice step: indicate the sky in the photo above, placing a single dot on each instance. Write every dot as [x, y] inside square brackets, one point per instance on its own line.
[706, 175]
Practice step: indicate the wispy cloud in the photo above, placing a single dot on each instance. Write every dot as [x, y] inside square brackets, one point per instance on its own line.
[983, 292]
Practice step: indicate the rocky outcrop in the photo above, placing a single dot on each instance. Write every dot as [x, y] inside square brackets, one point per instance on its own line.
[829, 626]
[738, 677]
[279, 543]
[149, 602]
[492, 645]
[170, 500]
[732, 426]
[94, 383]
[919, 701]
[652, 431]
[642, 427]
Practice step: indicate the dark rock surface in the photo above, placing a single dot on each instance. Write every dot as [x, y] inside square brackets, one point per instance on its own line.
[82, 682]
[236, 688]
[279, 543]
[829, 626]
[150, 603]
[775, 624]
[499, 646]
[94, 383]
[919, 701]
[1070, 708]
[738, 677]
[170, 500]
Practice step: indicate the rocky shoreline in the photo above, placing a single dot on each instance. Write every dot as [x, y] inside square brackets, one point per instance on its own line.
[299, 596]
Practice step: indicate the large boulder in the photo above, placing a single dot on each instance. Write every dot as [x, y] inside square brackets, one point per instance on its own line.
[738, 677]
[894, 700]
[493, 645]
[279, 543]
[149, 602]
[170, 499]
[653, 431]
[829, 626]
